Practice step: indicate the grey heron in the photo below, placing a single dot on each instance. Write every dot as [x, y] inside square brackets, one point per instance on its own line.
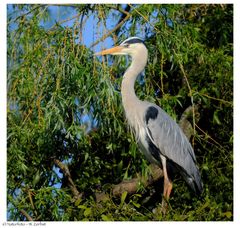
[160, 138]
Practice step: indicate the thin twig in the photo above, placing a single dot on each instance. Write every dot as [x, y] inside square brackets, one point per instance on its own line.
[30, 194]
[31, 200]
[190, 92]
[206, 134]
[161, 74]
[25, 14]
[214, 98]
[111, 31]
[65, 20]
[144, 17]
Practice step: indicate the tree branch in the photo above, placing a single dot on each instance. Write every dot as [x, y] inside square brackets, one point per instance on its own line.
[185, 124]
[118, 8]
[132, 185]
[29, 218]
[111, 31]
[25, 14]
[124, 12]
[66, 172]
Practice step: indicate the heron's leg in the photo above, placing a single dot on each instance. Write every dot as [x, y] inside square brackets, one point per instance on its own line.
[167, 188]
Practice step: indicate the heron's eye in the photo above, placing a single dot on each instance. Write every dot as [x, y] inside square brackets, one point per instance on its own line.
[126, 45]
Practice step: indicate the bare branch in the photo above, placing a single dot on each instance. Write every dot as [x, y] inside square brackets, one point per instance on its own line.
[132, 185]
[145, 18]
[126, 11]
[25, 14]
[214, 98]
[111, 31]
[65, 20]
[29, 218]
[184, 123]
[66, 172]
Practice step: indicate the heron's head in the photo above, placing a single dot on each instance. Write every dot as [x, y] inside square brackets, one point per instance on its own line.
[132, 46]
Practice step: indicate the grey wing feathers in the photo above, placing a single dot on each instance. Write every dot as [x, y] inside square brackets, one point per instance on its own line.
[172, 143]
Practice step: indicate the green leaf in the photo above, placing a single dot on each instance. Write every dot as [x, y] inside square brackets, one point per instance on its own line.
[227, 214]
[106, 218]
[123, 197]
[77, 202]
[36, 178]
[86, 157]
[136, 204]
[82, 207]
[215, 118]
[87, 212]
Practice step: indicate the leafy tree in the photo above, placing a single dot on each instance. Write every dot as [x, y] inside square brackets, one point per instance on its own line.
[67, 139]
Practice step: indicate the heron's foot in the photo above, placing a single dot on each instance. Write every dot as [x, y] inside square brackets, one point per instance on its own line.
[160, 211]
[164, 206]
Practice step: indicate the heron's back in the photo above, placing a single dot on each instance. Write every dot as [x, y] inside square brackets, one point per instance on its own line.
[160, 134]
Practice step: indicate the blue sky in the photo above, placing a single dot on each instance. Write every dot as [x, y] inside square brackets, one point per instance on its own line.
[90, 33]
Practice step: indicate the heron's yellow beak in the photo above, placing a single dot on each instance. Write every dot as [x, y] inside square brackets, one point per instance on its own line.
[114, 51]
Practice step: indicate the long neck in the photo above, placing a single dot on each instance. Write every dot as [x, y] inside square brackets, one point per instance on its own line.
[129, 98]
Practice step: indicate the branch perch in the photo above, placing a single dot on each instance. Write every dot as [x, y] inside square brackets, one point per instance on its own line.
[132, 185]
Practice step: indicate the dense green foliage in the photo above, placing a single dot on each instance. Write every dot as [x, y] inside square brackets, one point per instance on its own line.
[64, 104]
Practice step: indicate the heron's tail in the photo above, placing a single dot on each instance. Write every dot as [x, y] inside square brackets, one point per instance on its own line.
[191, 175]
[194, 180]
